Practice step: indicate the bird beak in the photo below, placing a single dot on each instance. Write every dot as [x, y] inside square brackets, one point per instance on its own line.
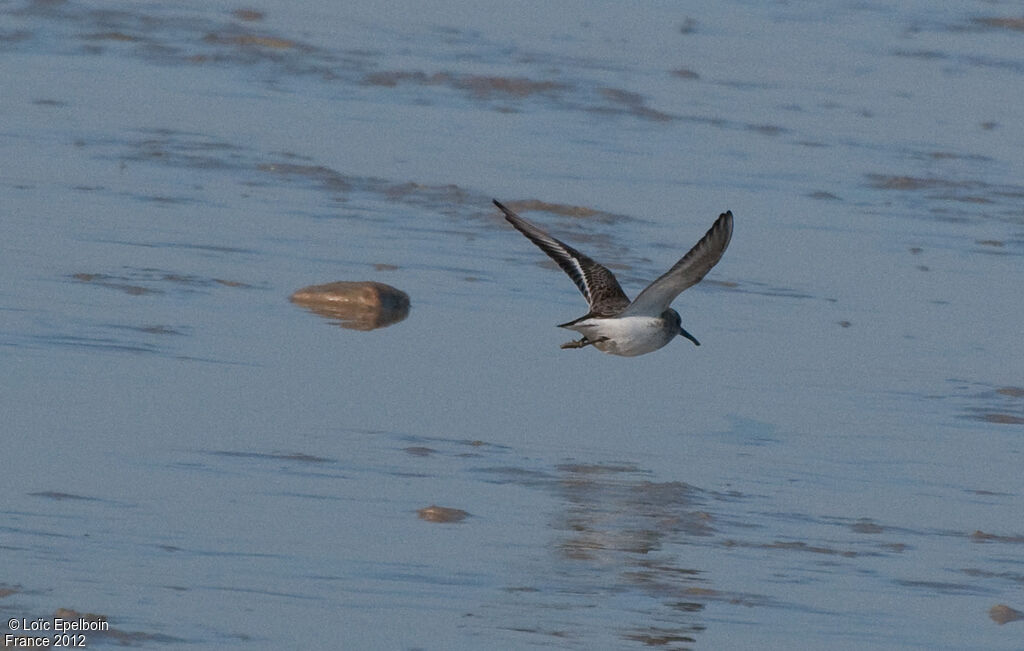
[684, 333]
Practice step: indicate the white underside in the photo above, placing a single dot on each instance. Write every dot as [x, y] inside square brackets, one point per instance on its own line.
[627, 336]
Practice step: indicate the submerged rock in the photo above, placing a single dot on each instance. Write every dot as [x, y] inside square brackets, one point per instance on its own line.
[356, 305]
[434, 513]
[1003, 614]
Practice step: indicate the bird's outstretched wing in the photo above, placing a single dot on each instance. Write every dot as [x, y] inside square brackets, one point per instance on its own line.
[689, 271]
[598, 285]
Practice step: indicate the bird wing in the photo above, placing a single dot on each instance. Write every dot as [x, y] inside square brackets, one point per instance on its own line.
[598, 285]
[689, 271]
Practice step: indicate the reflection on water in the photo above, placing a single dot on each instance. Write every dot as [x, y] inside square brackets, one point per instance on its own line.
[621, 526]
[622, 549]
[610, 511]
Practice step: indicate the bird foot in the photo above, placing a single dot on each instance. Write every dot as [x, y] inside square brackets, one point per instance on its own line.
[577, 344]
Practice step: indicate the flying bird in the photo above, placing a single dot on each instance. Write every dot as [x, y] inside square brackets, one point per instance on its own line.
[614, 324]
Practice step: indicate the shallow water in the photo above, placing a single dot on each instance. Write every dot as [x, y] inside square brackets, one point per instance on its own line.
[202, 462]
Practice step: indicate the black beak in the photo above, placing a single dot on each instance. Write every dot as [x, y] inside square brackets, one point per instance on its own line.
[684, 333]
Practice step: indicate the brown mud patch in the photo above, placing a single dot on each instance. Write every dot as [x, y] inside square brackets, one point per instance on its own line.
[632, 104]
[799, 546]
[1012, 23]
[943, 587]
[566, 95]
[248, 15]
[685, 73]
[251, 40]
[666, 638]
[565, 210]
[261, 170]
[823, 196]
[866, 527]
[147, 284]
[998, 406]
[152, 329]
[983, 537]
[887, 182]
[419, 450]
[956, 199]
[1001, 419]
[140, 282]
[105, 280]
[112, 36]
[767, 129]
[60, 497]
[986, 574]
[299, 457]
[8, 590]
[184, 37]
[481, 87]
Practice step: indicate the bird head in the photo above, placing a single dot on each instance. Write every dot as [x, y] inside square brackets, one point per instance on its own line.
[676, 321]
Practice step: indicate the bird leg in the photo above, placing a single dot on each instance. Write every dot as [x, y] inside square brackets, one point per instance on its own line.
[577, 344]
[582, 342]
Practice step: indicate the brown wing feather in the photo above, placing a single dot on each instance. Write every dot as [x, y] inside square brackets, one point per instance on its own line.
[597, 284]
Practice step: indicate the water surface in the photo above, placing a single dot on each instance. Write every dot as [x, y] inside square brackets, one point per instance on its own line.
[206, 464]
